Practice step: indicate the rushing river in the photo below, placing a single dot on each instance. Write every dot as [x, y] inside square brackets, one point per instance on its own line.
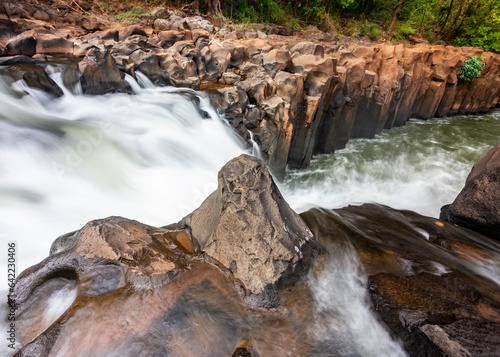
[154, 156]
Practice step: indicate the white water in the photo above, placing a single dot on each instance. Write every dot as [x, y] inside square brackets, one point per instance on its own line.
[345, 324]
[150, 157]
[419, 167]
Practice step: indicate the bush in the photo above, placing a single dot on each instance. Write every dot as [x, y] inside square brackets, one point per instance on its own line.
[471, 69]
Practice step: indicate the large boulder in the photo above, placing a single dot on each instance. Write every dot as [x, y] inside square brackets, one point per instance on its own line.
[432, 283]
[477, 206]
[100, 73]
[35, 77]
[22, 45]
[138, 290]
[248, 227]
[53, 44]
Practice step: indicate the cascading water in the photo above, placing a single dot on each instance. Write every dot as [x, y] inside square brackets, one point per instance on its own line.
[419, 167]
[154, 156]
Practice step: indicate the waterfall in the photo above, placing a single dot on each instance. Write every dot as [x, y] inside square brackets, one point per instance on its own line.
[154, 155]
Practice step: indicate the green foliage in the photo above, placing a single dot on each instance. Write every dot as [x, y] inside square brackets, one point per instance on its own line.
[471, 69]
[460, 22]
[481, 28]
[131, 16]
[404, 30]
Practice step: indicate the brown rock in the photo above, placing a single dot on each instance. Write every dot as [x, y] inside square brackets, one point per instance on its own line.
[476, 206]
[35, 77]
[22, 45]
[53, 44]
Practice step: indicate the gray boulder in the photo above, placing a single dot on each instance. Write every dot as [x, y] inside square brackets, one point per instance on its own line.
[22, 45]
[248, 227]
[100, 73]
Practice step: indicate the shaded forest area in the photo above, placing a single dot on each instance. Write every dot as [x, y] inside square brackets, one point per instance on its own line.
[457, 22]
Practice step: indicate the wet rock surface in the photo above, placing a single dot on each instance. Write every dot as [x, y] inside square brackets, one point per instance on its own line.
[476, 206]
[138, 290]
[432, 283]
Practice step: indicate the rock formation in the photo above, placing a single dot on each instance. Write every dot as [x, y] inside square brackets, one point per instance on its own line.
[240, 276]
[299, 95]
[432, 283]
[477, 205]
[248, 227]
[138, 288]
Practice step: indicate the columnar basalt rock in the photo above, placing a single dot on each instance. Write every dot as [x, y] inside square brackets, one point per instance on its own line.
[343, 91]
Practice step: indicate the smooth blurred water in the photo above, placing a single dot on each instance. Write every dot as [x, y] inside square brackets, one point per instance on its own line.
[418, 167]
[154, 157]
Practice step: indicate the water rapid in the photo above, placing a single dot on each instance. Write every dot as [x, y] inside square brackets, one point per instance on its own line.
[154, 156]
[419, 167]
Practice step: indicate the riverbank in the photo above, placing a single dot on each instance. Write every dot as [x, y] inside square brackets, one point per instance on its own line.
[298, 93]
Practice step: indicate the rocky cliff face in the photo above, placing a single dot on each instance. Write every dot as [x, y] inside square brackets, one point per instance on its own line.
[299, 95]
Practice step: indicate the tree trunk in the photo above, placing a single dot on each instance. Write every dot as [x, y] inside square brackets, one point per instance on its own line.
[447, 16]
[394, 16]
[213, 7]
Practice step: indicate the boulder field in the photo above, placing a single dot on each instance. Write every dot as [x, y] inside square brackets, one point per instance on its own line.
[298, 93]
[244, 275]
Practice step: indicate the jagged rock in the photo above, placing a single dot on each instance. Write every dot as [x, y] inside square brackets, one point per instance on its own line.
[189, 82]
[309, 48]
[253, 117]
[289, 87]
[41, 15]
[259, 86]
[216, 59]
[238, 51]
[170, 65]
[147, 63]
[13, 60]
[316, 70]
[53, 44]
[420, 278]
[199, 23]
[248, 227]
[230, 78]
[276, 60]
[168, 38]
[100, 73]
[3, 51]
[442, 340]
[231, 100]
[35, 77]
[175, 23]
[17, 9]
[111, 34]
[476, 206]
[200, 34]
[136, 290]
[160, 12]
[21, 45]
[131, 30]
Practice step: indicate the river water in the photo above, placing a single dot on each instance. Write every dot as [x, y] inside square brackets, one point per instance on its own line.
[154, 156]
